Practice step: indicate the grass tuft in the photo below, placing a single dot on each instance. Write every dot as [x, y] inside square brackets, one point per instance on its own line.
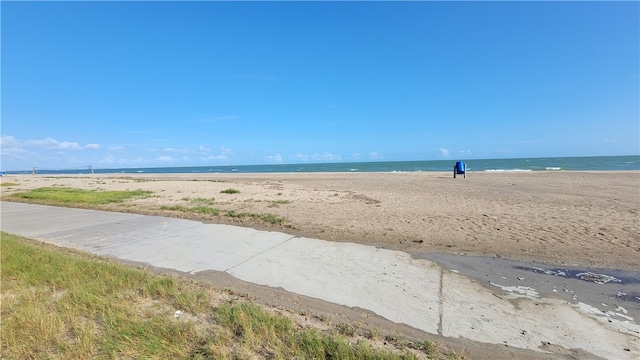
[199, 200]
[428, 347]
[346, 329]
[268, 218]
[230, 191]
[281, 201]
[196, 209]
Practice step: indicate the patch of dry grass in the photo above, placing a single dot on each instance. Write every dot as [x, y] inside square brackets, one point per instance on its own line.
[7, 184]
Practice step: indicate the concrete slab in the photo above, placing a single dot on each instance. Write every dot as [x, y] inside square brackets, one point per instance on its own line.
[392, 284]
[200, 248]
[389, 283]
[37, 220]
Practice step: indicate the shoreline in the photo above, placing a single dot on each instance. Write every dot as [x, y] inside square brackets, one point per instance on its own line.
[470, 172]
[573, 218]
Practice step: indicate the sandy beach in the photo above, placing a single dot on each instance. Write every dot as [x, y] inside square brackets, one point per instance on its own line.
[571, 218]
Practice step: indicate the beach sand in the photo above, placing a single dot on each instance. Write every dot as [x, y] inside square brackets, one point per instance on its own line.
[571, 218]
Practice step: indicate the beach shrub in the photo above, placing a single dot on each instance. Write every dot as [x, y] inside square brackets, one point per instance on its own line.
[230, 191]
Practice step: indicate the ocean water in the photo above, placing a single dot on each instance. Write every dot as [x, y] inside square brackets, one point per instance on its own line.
[610, 163]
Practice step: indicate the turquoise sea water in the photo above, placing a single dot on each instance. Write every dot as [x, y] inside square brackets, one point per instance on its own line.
[611, 163]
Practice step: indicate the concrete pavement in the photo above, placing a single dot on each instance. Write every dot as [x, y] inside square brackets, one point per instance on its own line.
[394, 285]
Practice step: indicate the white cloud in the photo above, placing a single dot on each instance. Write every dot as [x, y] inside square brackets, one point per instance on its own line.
[444, 152]
[54, 144]
[177, 150]
[214, 157]
[108, 158]
[274, 158]
[325, 157]
[116, 148]
[226, 151]
[222, 155]
[301, 157]
[465, 152]
[11, 145]
[8, 141]
[48, 153]
[165, 158]
[373, 155]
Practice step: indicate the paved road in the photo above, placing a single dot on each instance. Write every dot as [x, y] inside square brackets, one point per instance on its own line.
[394, 285]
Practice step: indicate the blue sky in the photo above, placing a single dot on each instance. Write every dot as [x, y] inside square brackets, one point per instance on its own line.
[139, 84]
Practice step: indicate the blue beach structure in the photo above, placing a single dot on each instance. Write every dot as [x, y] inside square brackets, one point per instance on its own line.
[459, 169]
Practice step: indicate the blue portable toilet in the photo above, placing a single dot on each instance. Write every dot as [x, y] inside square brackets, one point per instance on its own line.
[459, 169]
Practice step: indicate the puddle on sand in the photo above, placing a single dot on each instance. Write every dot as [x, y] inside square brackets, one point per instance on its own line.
[604, 289]
[583, 275]
[632, 296]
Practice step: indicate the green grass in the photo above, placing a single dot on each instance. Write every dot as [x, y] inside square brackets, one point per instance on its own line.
[199, 200]
[428, 346]
[280, 202]
[196, 209]
[230, 191]
[268, 218]
[346, 329]
[63, 196]
[69, 196]
[9, 184]
[59, 303]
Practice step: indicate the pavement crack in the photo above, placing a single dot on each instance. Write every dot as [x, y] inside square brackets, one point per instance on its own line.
[259, 254]
[440, 303]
